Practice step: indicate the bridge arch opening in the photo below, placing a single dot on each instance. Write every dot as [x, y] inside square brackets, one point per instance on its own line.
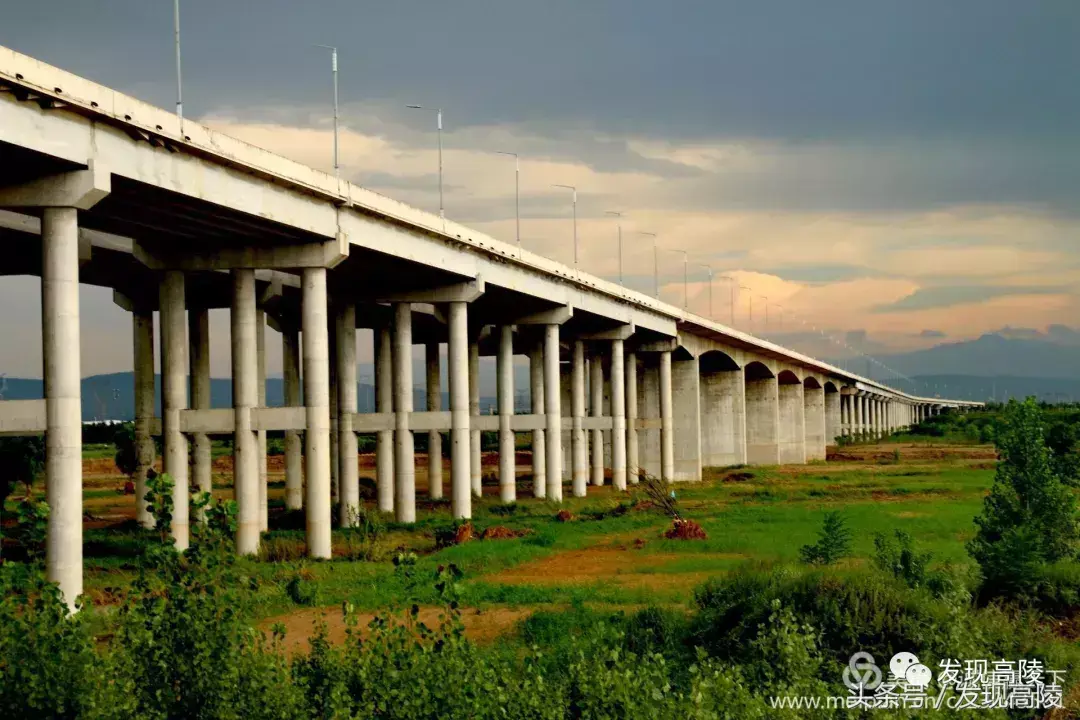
[723, 410]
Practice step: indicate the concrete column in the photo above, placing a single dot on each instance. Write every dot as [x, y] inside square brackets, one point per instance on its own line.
[632, 456]
[816, 422]
[294, 454]
[349, 507]
[433, 386]
[845, 420]
[596, 410]
[667, 421]
[875, 417]
[460, 444]
[618, 417]
[245, 397]
[260, 435]
[792, 423]
[199, 339]
[476, 461]
[384, 404]
[317, 402]
[143, 332]
[553, 407]
[649, 404]
[762, 419]
[335, 451]
[578, 452]
[723, 418]
[404, 456]
[861, 425]
[174, 351]
[686, 408]
[536, 397]
[63, 399]
[505, 382]
[832, 417]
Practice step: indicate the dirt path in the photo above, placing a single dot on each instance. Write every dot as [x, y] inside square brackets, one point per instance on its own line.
[480, 625]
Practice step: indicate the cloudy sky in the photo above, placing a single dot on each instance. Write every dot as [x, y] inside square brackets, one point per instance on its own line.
[901, 171]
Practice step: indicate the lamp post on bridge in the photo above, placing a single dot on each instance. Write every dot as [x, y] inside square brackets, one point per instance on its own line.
[517, 196]
[438, 129]
[618, 225]
[573, 191]
[333, 70]
[750, 299]
[656, 264]
[179, 82]
[731, 303]
[708, 269]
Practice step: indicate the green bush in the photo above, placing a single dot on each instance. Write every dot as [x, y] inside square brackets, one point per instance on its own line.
[834, 541]
[898, 557]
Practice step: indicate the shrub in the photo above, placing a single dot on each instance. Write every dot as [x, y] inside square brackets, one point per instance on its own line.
[898, 557]
[834, 541]
[1029, 518]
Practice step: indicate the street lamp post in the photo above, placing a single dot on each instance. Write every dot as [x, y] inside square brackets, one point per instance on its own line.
[685, 280]
[750, 299]
[656, 264]
[619, 226]
[573, 190]
[766, 299]
[731, 302]
[709, 270]
[438, 129]
[333, 69]
[179, 83]
[517, 195]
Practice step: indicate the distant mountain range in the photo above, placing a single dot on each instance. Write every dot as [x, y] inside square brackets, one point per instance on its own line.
[994, 366]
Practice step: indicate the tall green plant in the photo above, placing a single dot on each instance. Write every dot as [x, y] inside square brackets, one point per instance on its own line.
[1029, 519]
[833, 543]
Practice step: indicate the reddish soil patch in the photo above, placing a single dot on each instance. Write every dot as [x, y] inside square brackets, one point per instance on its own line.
[737, 477]
[498, 532]
[480, 625]
[686, 530]
[564, 516]
[463, 534]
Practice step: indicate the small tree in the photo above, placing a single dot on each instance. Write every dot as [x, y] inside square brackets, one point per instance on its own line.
[833, 543]
[22, 459]
[900, 558]
[126, 457]
[1029, 518]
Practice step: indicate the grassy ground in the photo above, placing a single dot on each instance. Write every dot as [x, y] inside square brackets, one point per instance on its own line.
[609, 554]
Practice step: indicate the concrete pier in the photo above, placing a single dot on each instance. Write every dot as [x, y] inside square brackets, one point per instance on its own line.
[260, 435]
[474, 412]
[349, 478]
[199, 339]
[404, 456]
[723, 411]
[633, 460]
[245, 398]
[762, 416]
[174, 352]
[384, 404]
[460, 441]
[596, 410]
[536, 397]
[145, 452]
[618, 416]
[317, 404]
[553, 406]
[294, 451]
[814, 419]
[686, 419]
[667, 420]
[505, 387]
[578, 451]
[433, 393]
[63, 399]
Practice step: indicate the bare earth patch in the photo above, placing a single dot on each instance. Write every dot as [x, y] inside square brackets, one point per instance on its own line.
[480, 625]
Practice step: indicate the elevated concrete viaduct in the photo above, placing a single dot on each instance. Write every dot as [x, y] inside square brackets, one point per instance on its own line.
[100, 188]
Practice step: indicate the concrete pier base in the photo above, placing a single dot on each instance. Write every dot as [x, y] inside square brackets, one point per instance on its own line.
[245, 397]
[814, 418]
[317, 403]
[174, 352]
[460, 444]
[63, 400]
[723, 411]
[686, 419]
[792, 419]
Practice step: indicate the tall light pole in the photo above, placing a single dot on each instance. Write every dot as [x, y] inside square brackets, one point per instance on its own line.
[619, 226]
[685, 280]
[333, 70]
[517, 195]
[731, 302]
[766, 299]
[750, 298]
[656, 264]
[572, 189]
[179, 83]
[438, 129]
